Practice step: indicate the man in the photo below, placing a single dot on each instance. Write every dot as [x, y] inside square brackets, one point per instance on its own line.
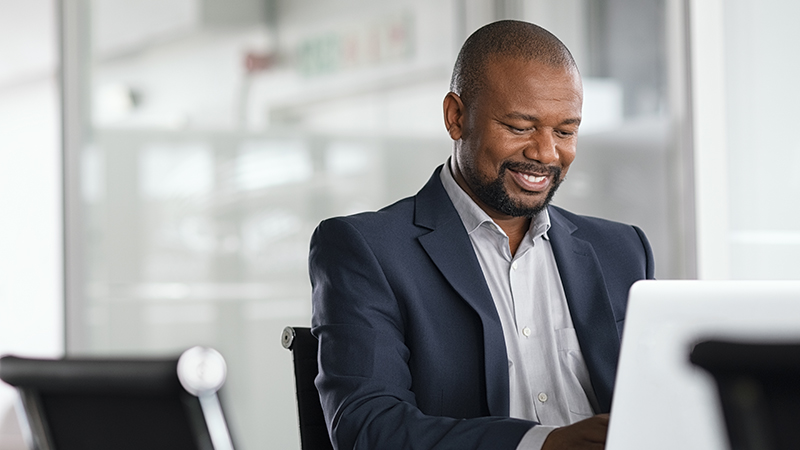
[474, 315]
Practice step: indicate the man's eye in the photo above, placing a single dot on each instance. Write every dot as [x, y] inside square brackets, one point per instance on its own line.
[563, 133]
[517, 130]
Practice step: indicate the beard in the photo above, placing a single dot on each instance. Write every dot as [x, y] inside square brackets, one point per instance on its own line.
[494, 193]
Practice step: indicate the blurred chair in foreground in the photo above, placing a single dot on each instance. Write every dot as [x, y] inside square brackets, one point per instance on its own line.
[759, 390]
[93, 404]
[313, 431]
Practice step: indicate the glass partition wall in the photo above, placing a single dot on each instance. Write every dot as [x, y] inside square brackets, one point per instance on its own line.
[205, 139]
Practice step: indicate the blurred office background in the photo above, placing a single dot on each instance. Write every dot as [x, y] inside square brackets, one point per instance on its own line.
[164, 162]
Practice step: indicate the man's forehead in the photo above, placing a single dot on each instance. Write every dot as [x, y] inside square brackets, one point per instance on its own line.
[514, 83]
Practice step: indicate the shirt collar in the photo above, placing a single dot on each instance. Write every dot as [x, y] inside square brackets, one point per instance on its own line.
[473, 216]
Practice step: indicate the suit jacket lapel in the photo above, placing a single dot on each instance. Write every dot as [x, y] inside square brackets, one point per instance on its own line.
[449, 247]
[589, 305]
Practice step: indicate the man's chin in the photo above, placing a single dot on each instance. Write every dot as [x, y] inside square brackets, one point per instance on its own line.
[528, 204]
[520, 209]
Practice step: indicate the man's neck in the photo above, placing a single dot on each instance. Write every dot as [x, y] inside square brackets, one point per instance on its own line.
[515, 228]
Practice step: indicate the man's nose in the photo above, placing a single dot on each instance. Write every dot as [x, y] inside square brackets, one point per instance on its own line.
[542, 147]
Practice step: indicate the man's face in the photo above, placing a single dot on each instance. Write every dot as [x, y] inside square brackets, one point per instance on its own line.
[517, 138]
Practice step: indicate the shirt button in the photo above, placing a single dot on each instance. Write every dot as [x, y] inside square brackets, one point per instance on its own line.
[542, 397]
[526, 331]
[514, 265]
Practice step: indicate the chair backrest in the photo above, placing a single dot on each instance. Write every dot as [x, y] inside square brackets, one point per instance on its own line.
[313, 431]
[94, 404]
[759, 390]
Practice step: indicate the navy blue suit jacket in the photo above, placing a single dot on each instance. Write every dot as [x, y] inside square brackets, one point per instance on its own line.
[412, 353]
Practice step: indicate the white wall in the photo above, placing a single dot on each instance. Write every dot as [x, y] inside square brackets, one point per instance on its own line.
[747, 153]
[31, 299]
[762, 69]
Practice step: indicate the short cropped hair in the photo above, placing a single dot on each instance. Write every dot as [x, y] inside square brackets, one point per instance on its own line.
[505, 38]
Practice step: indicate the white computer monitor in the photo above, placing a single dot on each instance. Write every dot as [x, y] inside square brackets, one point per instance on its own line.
[663, 402]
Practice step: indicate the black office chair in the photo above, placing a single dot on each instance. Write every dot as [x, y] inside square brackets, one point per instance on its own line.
[124, 404]
[313, 431]
[759, 390]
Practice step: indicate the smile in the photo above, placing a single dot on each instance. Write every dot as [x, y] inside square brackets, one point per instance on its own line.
[533, 178]
[531, 182]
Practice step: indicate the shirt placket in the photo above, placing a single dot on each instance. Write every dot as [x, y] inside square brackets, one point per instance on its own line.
[533, 320]
[522, 402]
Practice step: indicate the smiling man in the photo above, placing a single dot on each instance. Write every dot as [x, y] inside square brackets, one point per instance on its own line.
[474, 314]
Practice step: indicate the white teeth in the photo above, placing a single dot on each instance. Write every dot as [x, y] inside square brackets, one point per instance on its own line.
[533, 179]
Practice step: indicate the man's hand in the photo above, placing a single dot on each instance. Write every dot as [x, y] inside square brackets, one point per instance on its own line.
[586, 434]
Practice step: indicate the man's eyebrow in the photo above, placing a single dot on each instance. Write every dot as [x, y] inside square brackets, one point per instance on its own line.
[530, 118]
[521, 116]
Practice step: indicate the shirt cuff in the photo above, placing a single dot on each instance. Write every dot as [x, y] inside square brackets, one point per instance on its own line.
[535, 437]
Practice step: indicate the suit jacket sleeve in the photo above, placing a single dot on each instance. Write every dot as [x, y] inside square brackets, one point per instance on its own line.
[365, 383]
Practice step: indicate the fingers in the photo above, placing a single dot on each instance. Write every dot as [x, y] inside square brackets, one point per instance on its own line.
[588, 434]
[594, 428]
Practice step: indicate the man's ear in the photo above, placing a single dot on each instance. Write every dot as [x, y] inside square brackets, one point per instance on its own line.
[453, 115]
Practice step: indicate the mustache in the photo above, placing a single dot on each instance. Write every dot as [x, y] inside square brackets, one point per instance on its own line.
[531, 167]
